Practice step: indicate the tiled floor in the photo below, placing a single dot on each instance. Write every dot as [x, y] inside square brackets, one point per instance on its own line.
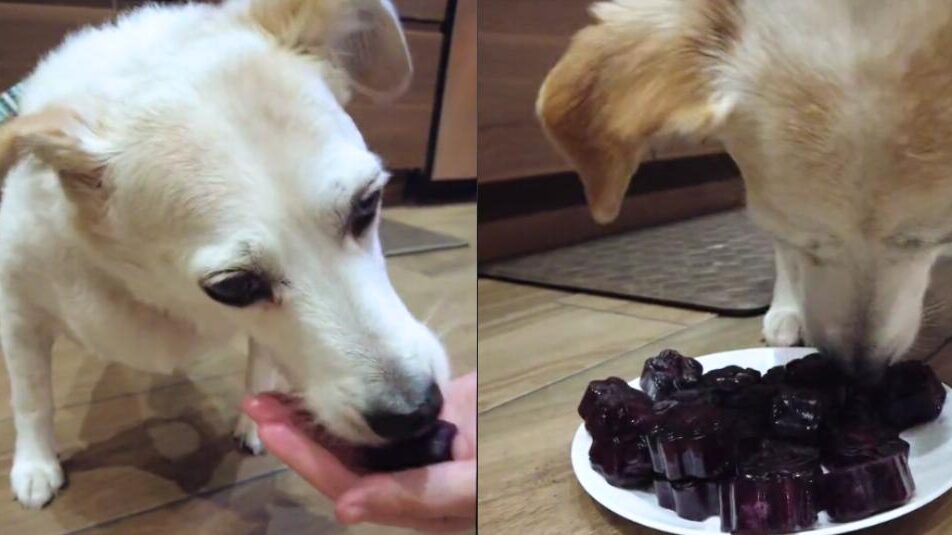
[153, 454]
[538, 349]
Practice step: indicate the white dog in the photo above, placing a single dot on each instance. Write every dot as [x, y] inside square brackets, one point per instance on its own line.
[839, 114]
[189, 173]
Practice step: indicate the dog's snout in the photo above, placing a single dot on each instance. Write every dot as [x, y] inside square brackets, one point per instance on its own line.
[393, 425]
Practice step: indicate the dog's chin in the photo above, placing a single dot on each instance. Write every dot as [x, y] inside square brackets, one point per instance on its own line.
[346, 428]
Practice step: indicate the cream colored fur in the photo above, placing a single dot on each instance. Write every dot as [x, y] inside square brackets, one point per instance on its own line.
[839, 114]
[183, 141]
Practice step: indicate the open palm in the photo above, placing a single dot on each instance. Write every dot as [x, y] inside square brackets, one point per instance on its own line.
[436, 498]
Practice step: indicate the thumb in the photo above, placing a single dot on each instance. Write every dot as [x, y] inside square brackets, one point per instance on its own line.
[433, 492]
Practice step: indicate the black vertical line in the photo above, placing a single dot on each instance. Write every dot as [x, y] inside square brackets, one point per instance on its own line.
[418, 181]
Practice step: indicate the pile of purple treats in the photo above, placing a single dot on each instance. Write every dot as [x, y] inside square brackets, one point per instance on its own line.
[752, 448]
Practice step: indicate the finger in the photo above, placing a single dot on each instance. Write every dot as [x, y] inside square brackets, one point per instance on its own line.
[461, 410]
[312, 462]
[264, 408]
[435, 491]
[426, 525]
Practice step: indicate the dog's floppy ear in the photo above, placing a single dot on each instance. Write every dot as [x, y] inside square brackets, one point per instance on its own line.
[364, 37]
[628, 78]
[59, 137]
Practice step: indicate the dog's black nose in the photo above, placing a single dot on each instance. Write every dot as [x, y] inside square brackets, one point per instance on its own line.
[403, 425]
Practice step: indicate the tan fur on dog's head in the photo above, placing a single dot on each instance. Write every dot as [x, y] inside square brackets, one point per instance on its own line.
[627, 80]
[838, 115]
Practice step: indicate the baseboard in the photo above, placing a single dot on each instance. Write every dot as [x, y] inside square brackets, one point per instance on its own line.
[548, 229]
[537, 194]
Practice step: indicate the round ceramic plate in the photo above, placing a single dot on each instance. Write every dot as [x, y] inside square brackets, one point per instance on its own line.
[931, 449]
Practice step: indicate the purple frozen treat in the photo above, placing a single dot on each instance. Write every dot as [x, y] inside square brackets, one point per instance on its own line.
[691, 442]
[861, 490]
[774, 491]
[910, 394]
[668, 372]
[692, 499]
[623, 463]
[434, 446]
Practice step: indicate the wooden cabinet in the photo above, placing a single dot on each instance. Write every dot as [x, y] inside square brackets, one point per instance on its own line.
[519, 42]
[27, 31]
[424, 131]
[400, 130]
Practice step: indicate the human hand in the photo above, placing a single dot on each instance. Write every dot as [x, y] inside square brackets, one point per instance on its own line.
[435, 498]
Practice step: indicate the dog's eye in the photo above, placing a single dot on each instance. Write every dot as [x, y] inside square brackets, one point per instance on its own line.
[909, 243]
[238, 288]
[363, 213]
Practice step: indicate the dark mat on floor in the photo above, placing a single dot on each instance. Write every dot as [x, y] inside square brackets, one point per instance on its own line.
[399, 239]
[719, 263]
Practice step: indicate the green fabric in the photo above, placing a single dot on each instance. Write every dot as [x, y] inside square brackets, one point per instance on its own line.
[9, 101]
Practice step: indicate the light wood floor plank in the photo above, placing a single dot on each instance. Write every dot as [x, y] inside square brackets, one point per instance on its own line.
[521, 355]
[681, 316]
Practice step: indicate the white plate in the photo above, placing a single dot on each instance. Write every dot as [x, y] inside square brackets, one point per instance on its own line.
[931, 450]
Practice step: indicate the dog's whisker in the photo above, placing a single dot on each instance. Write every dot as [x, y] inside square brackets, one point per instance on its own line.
[434, 309]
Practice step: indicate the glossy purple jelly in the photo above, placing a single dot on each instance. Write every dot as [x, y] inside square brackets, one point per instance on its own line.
[910, 394]
[774, 491]
[750, 447]
[692, 442]
[861, 490]
[624, 464]
[668, 372]
[798, 414]
[611, 409]
[434, 446]
[691, 499]
[858, 443]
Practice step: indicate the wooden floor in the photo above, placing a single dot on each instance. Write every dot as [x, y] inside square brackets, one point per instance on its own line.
[153, 454]
[538, 349]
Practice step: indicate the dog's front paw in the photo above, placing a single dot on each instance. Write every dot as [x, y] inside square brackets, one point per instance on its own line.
[35, 481]
[783, 327]
[246, 436]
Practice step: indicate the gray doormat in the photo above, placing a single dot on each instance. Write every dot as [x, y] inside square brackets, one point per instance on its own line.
[719, 263]
[399, 239]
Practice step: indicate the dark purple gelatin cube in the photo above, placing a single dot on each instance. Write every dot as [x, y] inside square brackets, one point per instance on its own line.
[798, 414]
[858, 443]
[668, 372]
[624, 464]
[861, 490]
[692, 499]
[611, 409]
[775, 376]
[434, 446]
[910, 394]
[730, 379]
[814, 371]
[775, 490]
[692, 442]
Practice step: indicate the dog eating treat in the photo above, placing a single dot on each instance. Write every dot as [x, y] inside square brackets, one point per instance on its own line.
[188, 175]
[838, 114]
